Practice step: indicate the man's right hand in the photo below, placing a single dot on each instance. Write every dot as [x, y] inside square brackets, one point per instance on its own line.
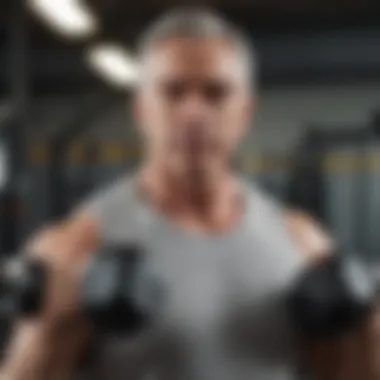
[65, 249]
[48, 346]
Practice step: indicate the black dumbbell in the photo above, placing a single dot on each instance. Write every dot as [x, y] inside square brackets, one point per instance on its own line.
[332, 297]
[116, 292]
[22, 287]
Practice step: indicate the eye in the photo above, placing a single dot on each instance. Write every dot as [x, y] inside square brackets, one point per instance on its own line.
[216, 92]
[173, 90]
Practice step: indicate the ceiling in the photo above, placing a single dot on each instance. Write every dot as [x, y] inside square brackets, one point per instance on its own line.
[124, 20]
[261, 16]
[55, 62]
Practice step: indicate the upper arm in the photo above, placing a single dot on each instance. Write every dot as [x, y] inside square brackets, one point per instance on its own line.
[353, 356]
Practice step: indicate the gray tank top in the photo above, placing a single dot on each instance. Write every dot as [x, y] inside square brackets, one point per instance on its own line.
[224, 316]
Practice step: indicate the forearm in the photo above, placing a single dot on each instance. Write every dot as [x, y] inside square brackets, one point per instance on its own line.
[349, 358]
[28, 354]
[38, 354]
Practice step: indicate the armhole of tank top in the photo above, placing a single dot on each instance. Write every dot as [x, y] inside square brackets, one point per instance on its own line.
[278, 210]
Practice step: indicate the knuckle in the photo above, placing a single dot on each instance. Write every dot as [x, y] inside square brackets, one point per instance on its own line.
[46, 243]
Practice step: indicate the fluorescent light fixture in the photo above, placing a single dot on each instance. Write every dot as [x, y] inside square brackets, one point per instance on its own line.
[114, 64]
[69, 18]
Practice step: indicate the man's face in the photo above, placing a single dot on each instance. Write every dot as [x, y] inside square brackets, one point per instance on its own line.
[193, 103]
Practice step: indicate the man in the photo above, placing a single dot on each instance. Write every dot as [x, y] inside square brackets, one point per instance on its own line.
[225, 251]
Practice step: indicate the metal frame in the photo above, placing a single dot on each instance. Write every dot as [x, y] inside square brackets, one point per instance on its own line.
[88, 111]
[326, 138]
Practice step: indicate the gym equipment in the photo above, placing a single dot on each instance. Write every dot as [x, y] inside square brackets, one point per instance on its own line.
[332, 297]
[116, 292]
[10, 197]
[376, 122]
[14, 134]
[306, 188]
[309, 184]
[22, 286]
[91, 108]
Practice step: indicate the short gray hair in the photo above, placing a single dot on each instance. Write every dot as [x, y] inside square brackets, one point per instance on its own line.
[199, 22]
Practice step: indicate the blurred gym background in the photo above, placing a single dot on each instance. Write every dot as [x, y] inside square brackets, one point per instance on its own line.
[66, 74]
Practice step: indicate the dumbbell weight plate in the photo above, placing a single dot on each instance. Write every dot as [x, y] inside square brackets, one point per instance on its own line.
[117, 294]
[24, 280]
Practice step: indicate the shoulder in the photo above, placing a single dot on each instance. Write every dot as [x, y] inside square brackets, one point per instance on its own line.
[107, 198]
[309, 235]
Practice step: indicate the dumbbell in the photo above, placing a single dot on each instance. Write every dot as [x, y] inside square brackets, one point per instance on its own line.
[332, 297]
[116, 292]
[22, 287]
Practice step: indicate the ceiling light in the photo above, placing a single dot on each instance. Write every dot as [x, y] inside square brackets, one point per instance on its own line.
[114, 64]
[69, 18]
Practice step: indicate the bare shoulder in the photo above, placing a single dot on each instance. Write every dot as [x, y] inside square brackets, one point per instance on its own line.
[312, 238]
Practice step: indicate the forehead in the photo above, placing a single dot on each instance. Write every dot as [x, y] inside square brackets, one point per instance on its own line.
[195, 58]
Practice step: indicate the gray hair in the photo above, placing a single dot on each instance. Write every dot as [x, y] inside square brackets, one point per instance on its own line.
[199, 22]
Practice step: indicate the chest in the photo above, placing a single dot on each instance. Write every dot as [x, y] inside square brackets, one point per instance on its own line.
[223, 306]
[211, 285]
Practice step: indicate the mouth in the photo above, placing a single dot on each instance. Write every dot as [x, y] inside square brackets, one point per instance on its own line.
[196, 142]
[197, 149]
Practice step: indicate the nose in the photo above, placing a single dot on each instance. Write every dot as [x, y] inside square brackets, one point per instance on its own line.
[194, 107]
[195, 117]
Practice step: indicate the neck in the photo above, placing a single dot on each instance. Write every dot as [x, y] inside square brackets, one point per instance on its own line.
[207, 196]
